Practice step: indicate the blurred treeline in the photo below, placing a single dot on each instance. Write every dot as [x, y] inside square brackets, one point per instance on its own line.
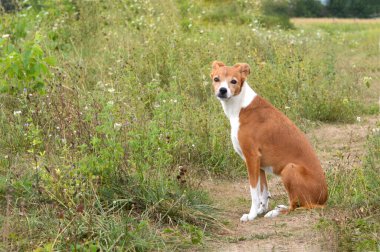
[292, 8]
[329, 8]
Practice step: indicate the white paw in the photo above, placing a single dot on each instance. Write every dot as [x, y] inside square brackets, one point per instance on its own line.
[276, 212]
[272, 214]
[248, 217]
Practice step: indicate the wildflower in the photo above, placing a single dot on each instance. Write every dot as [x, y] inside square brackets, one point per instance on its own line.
[5, 36]
[117, 126]
[287, 107]
[358, 119]
[17, 112]
[367, 80]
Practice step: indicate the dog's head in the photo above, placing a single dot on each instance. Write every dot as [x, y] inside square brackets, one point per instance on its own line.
[228, 80]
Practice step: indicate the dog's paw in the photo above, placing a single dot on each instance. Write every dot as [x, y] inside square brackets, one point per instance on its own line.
[262, 209]
[248, 217]
[276, 212]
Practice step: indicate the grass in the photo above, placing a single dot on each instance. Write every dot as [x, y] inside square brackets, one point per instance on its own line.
[108, 123]
[354, 194]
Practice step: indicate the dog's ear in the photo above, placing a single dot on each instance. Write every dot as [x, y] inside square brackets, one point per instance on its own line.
[244, 68]
[215, 65]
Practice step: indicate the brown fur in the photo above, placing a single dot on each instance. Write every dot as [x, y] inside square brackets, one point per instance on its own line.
[268, 138]
[239, 72]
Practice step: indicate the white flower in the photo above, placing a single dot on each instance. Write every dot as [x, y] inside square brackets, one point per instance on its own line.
[117, 126]
[111, 90]
[17, 112]
[287, 107]
[376, 130]
[358, 119]
[5, 36]
[367, 78]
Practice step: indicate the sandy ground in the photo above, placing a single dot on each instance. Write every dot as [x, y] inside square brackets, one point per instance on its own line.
[337, 144]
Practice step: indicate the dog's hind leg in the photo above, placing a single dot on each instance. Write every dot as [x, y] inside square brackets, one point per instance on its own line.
[278, 210]
[293, 178]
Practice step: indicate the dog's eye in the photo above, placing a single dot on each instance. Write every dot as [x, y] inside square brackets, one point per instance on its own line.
[216, 79]
[233, 81]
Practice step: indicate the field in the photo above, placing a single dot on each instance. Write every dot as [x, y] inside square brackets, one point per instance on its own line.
[111, 138]
[300, 21]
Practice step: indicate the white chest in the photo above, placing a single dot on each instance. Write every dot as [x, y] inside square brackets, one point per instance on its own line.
[234, 135]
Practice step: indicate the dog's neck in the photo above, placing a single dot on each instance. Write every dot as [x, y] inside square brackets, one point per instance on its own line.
[233, 105]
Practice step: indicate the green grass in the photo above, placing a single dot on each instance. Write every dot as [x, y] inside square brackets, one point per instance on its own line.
[354, 194]
[108, 123]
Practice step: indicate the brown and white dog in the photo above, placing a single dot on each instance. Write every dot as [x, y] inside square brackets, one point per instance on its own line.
[268, 142]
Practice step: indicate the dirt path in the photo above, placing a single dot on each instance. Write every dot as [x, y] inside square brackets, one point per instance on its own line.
[337, 145]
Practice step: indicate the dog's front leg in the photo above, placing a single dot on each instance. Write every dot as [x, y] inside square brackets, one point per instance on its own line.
[264, 193]
[253, 167]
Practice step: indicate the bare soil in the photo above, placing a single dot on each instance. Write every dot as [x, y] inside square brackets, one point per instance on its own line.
[337, 145]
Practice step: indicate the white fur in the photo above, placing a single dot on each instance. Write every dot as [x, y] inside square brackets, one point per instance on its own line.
[264, 201]
[255, 195]
[275, 212]
[232, 106]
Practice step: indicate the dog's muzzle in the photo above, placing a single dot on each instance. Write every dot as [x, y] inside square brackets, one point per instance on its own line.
[222, 93]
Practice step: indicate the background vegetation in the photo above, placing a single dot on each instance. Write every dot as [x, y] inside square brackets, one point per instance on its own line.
[108, 124]
[330, 8]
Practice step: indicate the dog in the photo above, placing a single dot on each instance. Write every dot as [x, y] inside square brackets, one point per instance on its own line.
[268, 142]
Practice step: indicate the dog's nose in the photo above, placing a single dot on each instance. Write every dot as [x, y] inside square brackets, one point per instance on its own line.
[223, 91]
